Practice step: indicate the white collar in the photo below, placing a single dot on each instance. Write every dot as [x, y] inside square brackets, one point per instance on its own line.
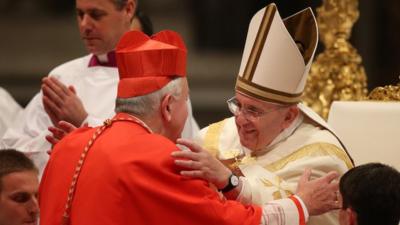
[103, 58]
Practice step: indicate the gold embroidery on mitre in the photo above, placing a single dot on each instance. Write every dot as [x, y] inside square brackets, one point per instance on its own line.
[259, 42]
[254, 90]
[311, 150]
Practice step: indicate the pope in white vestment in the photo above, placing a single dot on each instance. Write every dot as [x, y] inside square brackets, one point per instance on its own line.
[273, 172]
[275, 63]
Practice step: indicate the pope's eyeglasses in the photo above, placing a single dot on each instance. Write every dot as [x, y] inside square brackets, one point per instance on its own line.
[250, 114]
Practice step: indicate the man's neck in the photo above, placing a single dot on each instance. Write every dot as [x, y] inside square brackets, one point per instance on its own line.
[107, 59]
[103, 58]
[157, 126]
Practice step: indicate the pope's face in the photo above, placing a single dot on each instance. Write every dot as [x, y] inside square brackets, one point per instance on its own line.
[101, 24]
[18, 198]
[257, 132]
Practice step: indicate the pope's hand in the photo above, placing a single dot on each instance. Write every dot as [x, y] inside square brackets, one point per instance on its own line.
[319, 195]
[199, 163]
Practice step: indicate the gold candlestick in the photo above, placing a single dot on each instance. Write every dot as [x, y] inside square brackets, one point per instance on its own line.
[337, 73]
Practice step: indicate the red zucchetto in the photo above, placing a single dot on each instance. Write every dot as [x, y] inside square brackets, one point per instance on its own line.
[146, 64]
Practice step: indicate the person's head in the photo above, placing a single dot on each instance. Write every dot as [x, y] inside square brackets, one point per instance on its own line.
[18, 189]
[103, 22]
[164, 110]
[273, 73]
[142, 23]
[153, 85]
[260, 122]
[370, 195]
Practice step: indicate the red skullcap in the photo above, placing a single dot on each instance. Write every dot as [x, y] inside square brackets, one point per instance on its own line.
[146, 64]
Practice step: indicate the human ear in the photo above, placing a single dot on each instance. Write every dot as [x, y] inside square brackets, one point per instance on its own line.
[130, 8]
[352, 216]
[290, 116]
[166, 107]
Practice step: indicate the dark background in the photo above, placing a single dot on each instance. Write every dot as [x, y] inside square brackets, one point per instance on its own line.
[37, 35]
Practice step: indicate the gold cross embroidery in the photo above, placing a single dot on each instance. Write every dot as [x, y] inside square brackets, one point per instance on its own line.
[278, 193]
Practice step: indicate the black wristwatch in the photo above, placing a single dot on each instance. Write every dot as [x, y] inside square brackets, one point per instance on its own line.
[233, 181]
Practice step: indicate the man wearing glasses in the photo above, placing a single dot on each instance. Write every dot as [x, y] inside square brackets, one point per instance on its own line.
[272, 137]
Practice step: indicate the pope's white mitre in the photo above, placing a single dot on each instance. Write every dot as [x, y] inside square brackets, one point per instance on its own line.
[277, 55]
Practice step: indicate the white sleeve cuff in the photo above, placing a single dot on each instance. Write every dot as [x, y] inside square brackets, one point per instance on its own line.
[92, 122]
[245, 195]
[281, 212]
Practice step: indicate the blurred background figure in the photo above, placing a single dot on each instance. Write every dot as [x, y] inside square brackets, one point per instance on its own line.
[81, 91]
[370, 195]
[142, 22]
[9, 109]
[18, 189]
[214, 31]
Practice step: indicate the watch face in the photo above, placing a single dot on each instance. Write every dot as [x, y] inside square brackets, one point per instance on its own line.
[234, 180]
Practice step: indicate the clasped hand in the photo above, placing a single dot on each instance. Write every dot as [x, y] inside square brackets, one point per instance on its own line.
[61, 102]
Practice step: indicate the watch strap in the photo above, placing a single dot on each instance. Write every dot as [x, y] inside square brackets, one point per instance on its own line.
[230, 185]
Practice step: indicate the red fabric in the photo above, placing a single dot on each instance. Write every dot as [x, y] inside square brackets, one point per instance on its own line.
[138, 56]
[302, 220]
[129, 178]
[141, 86]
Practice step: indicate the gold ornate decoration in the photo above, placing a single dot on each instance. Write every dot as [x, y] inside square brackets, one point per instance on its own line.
[386, 93]
[319, 149]
[234, 158]
[337, 73]
[278, 193]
